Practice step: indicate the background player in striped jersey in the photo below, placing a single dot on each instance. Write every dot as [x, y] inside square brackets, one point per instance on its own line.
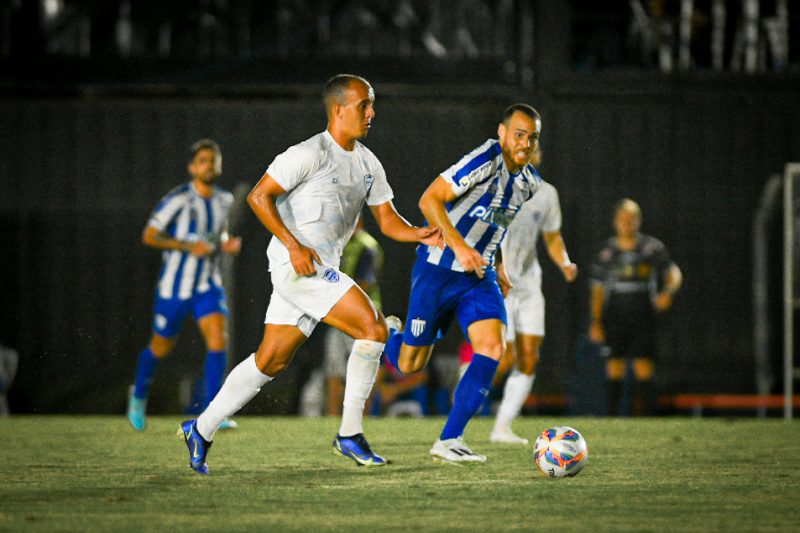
[309, 199]
[525, 302]
[473, 202]
[633, 278]
[190, 225]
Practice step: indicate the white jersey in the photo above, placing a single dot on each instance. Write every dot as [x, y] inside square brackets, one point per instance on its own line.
[326, 187]
[488, 199]
[541, 214]
[185, 215]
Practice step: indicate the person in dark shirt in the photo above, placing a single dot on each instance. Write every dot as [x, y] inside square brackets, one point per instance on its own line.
[633, 278]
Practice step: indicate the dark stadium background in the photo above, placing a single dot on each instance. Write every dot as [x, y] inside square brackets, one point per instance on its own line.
[88, 144]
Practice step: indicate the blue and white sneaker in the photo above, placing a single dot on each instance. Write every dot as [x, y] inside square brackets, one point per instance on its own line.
[357, 448]
[198, 446]
[136, 410]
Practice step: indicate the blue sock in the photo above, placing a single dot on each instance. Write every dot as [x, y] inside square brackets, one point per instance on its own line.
[392, 349]
[214, 372]
[470, 393]
[145, 369]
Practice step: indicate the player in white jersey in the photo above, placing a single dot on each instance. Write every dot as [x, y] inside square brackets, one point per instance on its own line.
[190, 226]
[474, 201]
[525, 302]
[310, 198]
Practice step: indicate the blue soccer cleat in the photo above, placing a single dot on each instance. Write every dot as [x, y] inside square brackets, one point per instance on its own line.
[198, 446]
[357, 448]
[136, 411]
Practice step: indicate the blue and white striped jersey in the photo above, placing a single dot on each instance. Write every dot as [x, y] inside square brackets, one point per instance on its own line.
[185, 215]
[488, 199]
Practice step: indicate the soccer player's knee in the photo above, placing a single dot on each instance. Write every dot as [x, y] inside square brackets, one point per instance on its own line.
[643, 369]
[377, 331]
[527, 364]
[615, 369]
[161, 346]
[410, 366]
[493, 350]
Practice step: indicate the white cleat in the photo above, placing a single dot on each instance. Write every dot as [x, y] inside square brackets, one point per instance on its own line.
[506, 436]
[455, 452]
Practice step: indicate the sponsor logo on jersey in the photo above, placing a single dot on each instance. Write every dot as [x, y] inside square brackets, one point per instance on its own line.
[472, 177]
[331, 276]
[417, 327]
[492, 215]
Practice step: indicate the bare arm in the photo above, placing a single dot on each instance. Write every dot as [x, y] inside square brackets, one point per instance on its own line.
[398, 228]
[673, 279]
[558, 253]
[597, 332]
[432, 205]
[262, 201]
[155, 238]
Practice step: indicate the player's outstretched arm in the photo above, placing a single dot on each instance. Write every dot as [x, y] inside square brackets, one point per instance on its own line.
[432, 204]
[398, 228]
[557, 251]
[262, 201]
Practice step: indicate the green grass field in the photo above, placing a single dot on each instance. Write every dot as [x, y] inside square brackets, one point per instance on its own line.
[278, 474]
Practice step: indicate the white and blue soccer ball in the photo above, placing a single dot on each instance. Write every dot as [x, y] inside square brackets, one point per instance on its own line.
[560, 452]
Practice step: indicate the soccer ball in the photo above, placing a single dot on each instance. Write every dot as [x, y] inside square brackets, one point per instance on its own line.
[560, 451]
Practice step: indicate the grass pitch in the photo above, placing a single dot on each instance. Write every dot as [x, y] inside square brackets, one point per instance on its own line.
[278, 474]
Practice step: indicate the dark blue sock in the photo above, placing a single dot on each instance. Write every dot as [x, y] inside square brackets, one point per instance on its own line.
[145, 369]
[470, 393]
[214, 372]
[392, 349]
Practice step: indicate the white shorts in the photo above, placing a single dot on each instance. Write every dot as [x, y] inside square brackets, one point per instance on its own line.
[525, 308]
[303, 301]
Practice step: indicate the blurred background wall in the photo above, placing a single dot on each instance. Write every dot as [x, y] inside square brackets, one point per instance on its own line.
[99, 104]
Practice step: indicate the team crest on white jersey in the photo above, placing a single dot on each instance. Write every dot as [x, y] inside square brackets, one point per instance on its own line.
[331, 276]
[368, 179]
[417, 326]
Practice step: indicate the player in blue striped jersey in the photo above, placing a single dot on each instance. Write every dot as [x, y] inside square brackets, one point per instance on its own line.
[190, 226]
[473, 202]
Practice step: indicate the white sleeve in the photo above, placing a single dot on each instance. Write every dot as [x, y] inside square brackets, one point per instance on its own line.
[472, 168]
[379, 192]
[291, 167]
[165, 211]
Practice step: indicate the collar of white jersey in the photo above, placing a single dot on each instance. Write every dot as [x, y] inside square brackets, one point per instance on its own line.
[336, 147]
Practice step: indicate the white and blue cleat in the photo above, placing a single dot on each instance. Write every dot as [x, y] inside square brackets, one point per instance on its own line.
[137, 408]
[198, 446]
[227, 424]
[357, 448]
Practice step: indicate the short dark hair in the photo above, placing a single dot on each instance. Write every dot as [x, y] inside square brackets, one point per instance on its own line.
[336, 86]
[203, 144]
[522, 108]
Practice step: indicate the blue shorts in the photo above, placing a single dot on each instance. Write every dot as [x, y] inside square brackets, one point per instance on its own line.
[439, 293]
[168, 315]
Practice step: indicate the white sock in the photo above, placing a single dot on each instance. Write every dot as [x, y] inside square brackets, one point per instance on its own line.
[362, 368]
[518, 386]
[241, 385]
